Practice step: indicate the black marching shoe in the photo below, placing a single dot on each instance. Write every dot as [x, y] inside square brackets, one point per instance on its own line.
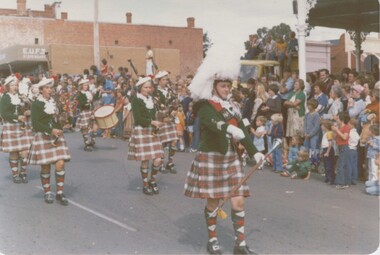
[24, 178]
[154, 188]
[48, 197]
[243, 250]
[171, 168]
[16, 179]
[214, 247]
[87, 148]
[147, 190]
[61, 199]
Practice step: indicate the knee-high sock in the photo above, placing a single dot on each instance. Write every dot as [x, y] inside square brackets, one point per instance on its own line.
[85, 137]
[144, 176]
[155, 170]
[24, 163]
[60, 181]
[211, 225]
[237, 218]
[14, 166]
[45, 181]
[171, 154]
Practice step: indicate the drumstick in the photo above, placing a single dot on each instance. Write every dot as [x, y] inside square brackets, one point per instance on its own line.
[218, 210]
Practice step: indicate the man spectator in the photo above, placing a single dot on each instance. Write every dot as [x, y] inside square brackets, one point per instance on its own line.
[292, 49]
[324, 76]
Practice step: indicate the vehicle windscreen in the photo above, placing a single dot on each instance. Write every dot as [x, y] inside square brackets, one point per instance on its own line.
[247, 72]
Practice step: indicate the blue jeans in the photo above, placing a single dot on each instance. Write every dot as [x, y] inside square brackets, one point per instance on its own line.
[119, 127]
[353, 164]
[372, 188]
[196, 134]
[343, 176]
[277, 159]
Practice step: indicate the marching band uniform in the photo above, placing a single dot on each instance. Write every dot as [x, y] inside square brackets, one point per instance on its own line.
[217, 169]
[49, 145]
[16, 136]
[85, 119]
[144, 144]
[168, 132]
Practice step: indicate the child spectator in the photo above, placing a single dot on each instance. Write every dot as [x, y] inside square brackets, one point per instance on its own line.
[300, 168]
[312, 129]
[373, 187]
[190, 124]
[277, 131]
[343, 178]
[373, 148]
[180, 127]
[294, 148]
[259, 133]
[353, 140]
[328, 151]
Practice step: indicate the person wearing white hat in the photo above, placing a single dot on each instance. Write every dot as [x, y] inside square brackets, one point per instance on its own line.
[144, 144]
[167, 133]
[15, 137]
[217, 168]
[49, 145]
[85, 120]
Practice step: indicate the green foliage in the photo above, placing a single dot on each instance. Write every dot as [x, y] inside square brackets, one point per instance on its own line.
[279, 31]
[206, 44]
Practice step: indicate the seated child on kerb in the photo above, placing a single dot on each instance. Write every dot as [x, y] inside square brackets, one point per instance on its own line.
[300, 168]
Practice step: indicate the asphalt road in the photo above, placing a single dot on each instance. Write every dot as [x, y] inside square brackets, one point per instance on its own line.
[108, 213]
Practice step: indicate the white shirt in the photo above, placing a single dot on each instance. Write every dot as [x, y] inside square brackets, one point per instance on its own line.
[353, 139]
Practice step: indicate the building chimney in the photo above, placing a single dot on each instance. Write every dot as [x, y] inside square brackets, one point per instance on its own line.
[190, 22]
[64, 15]
[21, 7]
[129, 17]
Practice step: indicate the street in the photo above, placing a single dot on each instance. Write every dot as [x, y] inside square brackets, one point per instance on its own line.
[109, 214]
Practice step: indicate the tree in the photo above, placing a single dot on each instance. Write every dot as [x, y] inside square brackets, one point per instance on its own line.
[279, 31]
[206, 44]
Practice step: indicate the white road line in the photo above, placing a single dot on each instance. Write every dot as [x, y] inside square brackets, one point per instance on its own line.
[97, 214]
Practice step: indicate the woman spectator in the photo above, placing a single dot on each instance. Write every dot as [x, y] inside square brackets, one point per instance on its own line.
[320, 97]
[335, 105]
[296, 110]
[356, 104]
[260, 101]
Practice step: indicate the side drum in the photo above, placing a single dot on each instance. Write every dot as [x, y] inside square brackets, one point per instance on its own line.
[106, 117]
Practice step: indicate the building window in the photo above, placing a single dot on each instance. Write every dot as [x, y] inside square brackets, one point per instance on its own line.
[36, 41]
[116, 42]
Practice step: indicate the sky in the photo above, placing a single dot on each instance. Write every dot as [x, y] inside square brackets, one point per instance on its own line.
[221, 19]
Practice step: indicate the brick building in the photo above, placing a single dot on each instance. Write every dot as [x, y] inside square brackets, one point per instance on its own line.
[27, 34]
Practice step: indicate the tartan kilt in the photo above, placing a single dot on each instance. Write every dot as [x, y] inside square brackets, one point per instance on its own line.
[42, 152]
[213, 175]
[168, 133]
[143, 145]
[13, 138]
[84, 119]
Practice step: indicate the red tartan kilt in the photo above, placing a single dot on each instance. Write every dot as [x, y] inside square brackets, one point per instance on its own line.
[84, 119]
[167, 133]
[43, 152]
[213, 175]
[13, 138]
[143, 145]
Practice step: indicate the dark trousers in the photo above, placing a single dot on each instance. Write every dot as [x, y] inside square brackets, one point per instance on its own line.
[328, 163]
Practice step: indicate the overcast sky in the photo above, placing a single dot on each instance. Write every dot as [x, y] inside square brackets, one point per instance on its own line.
[220, 18]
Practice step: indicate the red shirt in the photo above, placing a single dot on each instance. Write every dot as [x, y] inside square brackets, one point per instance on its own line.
[344, 129]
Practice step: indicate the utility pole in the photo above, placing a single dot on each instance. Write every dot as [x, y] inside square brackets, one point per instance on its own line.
[96, 34]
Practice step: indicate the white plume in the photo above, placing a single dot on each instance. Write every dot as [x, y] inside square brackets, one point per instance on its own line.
[222, 62]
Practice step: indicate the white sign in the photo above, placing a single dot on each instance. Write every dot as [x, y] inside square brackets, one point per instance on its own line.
[33, 53]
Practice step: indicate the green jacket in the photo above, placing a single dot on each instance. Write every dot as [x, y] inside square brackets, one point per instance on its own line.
[41, 121]
[9, 112]
[214, 130]
[82, 102]
[142, 115]
[302, 168]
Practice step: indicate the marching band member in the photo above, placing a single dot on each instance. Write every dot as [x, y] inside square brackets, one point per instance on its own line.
[168, 132]
[16, 136]
[217, 168]
[145, 144]
[49, 145]
[85, 119]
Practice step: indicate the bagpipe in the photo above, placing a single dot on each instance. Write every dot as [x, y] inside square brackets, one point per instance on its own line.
[133, 67]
